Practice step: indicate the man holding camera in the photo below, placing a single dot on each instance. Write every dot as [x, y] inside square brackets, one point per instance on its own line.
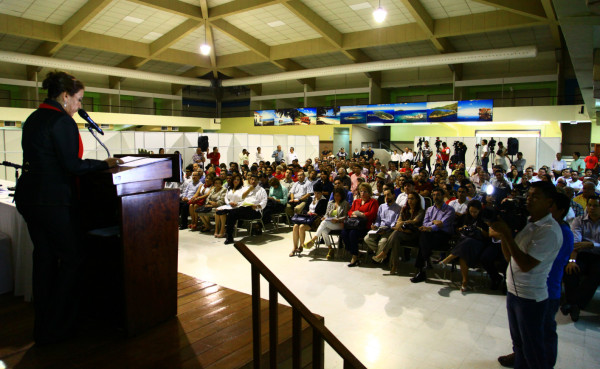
[530, 255]
[485, 155]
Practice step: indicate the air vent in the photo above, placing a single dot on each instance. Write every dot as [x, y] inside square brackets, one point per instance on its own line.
[164, 128]
[175, 129]
[10, 123]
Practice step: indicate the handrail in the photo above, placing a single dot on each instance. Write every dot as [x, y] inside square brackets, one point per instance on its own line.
[320, 332]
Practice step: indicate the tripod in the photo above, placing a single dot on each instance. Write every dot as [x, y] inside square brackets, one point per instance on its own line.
[477, 160]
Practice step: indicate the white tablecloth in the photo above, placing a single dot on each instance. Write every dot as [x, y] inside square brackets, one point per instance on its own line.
[13, 224]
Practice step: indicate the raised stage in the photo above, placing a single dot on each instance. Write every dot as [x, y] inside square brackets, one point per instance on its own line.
[213, 329]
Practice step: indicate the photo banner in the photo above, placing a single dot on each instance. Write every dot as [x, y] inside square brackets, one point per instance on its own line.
[421, 112]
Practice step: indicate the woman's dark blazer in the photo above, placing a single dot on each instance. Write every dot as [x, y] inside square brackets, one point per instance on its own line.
[51, 158]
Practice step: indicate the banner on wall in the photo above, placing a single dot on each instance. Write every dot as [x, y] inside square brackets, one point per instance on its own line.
[297, 116]
[444, 111]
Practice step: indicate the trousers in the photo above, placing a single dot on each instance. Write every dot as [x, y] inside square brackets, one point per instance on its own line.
[243, 212]
[526, 320]
[326, 227]
[580, 287]
[57, 260]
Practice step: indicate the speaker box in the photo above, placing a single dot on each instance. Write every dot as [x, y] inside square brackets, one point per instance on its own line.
[512, 146]
[203, 143]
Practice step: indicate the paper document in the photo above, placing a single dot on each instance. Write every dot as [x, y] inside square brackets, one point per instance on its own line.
[225, 207]
[134, 161]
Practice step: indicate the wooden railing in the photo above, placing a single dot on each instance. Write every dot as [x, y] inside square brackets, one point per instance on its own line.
[299, 312]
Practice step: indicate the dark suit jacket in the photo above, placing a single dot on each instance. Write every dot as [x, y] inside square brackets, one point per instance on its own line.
[50, 145]
[321, 206]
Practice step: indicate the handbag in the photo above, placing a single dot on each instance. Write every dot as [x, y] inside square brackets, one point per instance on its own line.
[204, 209]
[355, 223]
[303, 219]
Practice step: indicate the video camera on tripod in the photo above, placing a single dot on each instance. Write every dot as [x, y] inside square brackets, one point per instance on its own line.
[420, 143]
[438, 143]
[491, 144]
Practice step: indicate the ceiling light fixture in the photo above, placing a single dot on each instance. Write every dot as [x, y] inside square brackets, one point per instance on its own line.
[379, 14]
[205, 47]
[133, 19]
[276, 24]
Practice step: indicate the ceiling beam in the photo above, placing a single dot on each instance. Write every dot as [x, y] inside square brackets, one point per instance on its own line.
[72, 26]
[197, 72]
[174, 7]
[551, 15]
[242, 37]
[212, 56]
[173, 36]
[312, 19]
[236, 7]
[427, 24]
[449, 27]
[528, 8]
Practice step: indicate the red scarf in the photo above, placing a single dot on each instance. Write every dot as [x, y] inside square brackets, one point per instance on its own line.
[48, 106]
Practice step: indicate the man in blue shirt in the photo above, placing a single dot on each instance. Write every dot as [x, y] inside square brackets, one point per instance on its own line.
[278, 155]
[435, 232]
[387, 215]
[338, 183]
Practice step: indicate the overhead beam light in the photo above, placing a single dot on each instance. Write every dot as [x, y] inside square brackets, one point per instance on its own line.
[205, 49]
[379, 14]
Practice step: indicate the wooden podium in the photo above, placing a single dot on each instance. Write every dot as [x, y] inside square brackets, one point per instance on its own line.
[131, 224]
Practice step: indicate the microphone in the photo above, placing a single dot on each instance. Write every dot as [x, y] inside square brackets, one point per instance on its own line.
[86, 117]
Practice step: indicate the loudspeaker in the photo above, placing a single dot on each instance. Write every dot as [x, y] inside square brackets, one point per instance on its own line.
[203, 143]
[512, 146]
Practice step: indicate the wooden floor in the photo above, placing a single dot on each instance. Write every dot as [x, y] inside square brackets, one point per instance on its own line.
[212, 330]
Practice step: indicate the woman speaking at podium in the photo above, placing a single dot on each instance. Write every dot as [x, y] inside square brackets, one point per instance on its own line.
[47, 198]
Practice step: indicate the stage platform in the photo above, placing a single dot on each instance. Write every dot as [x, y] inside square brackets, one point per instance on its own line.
[213, 329]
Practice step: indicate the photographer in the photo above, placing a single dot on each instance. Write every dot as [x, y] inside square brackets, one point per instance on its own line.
[485, 155]
[427, 154]
[530, 255]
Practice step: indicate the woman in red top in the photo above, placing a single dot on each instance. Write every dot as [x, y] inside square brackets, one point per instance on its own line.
[364, 207]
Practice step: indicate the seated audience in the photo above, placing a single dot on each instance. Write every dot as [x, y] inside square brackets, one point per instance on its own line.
[198, 200]
[299, 193]
[276, 199]
[233, 199]
[435, 232]
[405, 232]
[582, 274]
[254, 200]
[473, 239]
[336, 212]
[314, 210]
[460, 203]
[215, 199]
[365, 209]
[386, 218]
[186, 194]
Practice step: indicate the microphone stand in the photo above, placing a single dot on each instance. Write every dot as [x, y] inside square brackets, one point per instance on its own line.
[17, 167]
[97, 139]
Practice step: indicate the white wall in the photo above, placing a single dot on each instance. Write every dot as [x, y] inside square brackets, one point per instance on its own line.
[128, 142]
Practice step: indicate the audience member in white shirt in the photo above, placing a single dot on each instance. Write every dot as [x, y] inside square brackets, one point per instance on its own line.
[558, 165]
[460, 204]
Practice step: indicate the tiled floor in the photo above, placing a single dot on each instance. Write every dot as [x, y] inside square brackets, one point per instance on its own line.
[386, 321]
